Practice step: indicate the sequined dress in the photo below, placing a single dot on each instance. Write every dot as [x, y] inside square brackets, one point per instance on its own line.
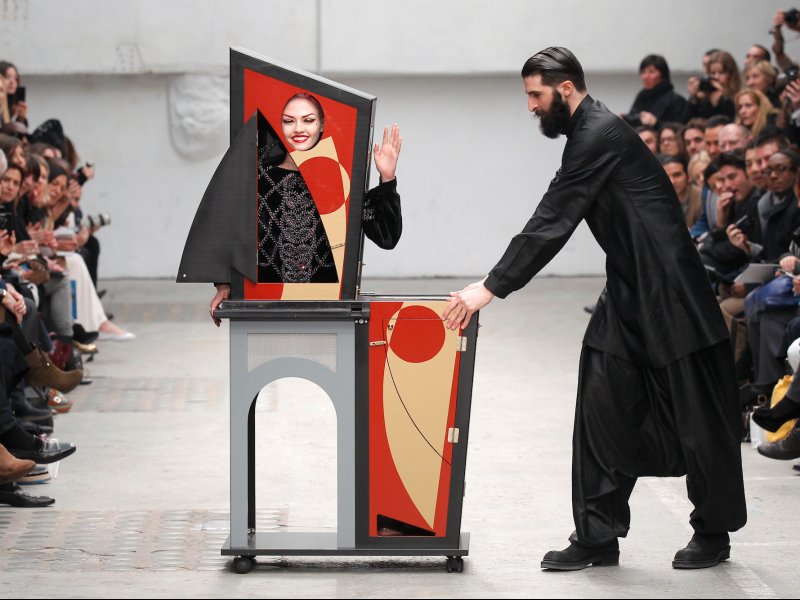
[292, 244]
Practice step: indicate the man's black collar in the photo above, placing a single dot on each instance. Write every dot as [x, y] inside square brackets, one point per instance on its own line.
[569, 128]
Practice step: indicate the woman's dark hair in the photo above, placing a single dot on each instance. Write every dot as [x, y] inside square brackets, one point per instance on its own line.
[8, 144]
[555, 65]
[5, 66]
[667, 159]
[33, 167]
[57, 167]
[657, 61]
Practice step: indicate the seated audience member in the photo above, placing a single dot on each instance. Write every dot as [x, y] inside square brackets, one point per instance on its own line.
[689, 198]
[649, 136]
[781, 59]
[723, 81]
[696, 169]
[755, 54]
[733, 137]
[18, 109]
[754, 173]
[767, 144]
[669, 141]
[701, 229]
[14, 150]
[693, 136]
[762, 76]
[711, 134]
[754, 111]
[657, 102]
[738, 199]
[778, 218]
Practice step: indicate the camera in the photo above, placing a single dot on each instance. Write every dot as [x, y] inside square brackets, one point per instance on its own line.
[7, 222]
[706, 85]
[791, 16]
[98, 220]
[80, 174]
[786, 77]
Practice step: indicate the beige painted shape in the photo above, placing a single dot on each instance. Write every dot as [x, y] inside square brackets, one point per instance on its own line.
[425, 389]
[335, 225]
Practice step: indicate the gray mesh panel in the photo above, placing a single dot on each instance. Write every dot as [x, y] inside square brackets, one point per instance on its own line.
[318, 347]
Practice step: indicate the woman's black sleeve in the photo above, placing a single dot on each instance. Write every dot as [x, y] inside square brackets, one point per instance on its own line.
[381, 216]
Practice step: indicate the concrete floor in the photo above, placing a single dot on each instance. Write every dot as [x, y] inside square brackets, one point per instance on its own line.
[141, 508]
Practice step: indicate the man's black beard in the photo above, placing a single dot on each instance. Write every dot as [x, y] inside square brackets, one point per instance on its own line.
[553, 121]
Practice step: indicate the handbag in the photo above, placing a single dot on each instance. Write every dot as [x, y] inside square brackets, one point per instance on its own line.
[776, 294]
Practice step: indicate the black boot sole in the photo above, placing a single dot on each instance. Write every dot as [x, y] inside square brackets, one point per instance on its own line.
[723, 554]
[607, 559]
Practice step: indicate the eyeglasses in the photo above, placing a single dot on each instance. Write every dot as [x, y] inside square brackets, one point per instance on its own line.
[779, 170]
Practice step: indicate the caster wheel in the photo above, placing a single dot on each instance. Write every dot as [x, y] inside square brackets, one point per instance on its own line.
[455, 564]
[243, 564]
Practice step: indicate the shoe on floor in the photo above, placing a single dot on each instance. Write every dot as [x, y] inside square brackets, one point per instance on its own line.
[786, 449]
[703, 551]
[576, 557]
[12, 494]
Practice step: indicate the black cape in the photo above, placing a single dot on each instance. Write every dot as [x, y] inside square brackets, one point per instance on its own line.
[658, 305]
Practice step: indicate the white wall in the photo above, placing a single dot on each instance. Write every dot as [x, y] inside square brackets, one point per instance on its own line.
[473, 165]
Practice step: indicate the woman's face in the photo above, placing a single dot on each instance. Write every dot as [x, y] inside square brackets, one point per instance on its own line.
[668, 142]
[747, 110]
[9, 186]
[650, 77]
[302, 124]
[57, 188]
[39, 192]
[781, 173]
[756, 80]
[718, 72]
[12, 80]
[696, 173]
[18, 157]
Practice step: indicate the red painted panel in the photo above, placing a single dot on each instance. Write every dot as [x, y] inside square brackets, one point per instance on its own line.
[387, 494]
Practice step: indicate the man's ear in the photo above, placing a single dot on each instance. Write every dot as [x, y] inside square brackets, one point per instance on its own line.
[566, 89]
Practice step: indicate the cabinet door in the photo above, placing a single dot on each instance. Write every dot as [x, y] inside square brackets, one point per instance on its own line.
[413, 385]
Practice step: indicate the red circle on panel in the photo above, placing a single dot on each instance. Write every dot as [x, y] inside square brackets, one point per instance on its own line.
[418, 334]
[324, 179]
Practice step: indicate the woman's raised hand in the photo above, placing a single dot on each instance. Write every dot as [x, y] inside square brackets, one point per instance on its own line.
[387, 153]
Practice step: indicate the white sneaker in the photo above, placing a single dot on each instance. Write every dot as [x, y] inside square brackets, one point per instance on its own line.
[113, 337]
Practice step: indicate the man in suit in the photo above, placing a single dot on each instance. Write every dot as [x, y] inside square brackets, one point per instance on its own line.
[657, 391]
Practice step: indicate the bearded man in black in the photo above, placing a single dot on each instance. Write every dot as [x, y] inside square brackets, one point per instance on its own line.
[657, 391]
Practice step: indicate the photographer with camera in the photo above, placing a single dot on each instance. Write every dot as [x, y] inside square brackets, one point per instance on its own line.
[713, 95]
[657, 102]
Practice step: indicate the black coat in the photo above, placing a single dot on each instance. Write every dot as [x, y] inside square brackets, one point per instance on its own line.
[658, 305]
[662, 102]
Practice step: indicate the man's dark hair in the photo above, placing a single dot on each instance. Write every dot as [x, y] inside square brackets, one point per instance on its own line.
[555, 65]
[666, 159]
[643, 128]
[732, 159]
[751, 145]
[767, 55]
[657, 61]
[696, 123]
[772, 135]
[716, 121]
[710, 170]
